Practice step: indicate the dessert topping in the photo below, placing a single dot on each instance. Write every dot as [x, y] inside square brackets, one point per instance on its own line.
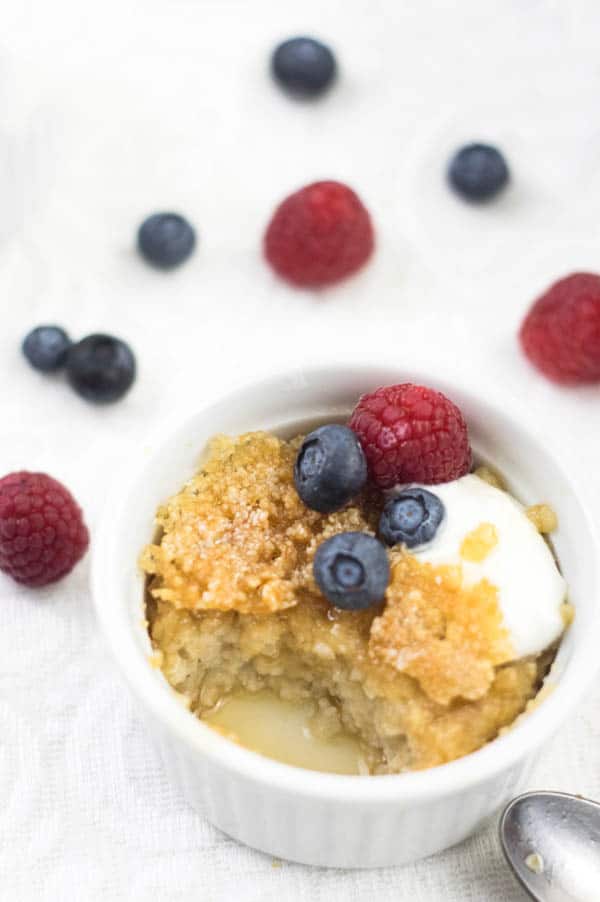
[411, 433]
[352, 570]
[330, 468]
[411, 518]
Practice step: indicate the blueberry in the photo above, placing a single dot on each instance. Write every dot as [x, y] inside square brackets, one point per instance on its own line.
[46, 348]
[166, 239]
[303, 66]
[352, 570]
[478, 172]
[411, 518]
[101, 368]
[330, 468]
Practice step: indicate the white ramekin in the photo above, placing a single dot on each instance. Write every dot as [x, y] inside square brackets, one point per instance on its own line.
[318, 818]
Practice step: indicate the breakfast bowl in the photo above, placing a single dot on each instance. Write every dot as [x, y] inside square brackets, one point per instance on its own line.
[331, 819]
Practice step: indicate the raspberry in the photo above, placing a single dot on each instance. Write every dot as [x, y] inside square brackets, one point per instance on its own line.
[561, 332]
[319, 235]
[42, 533]
[411, 433]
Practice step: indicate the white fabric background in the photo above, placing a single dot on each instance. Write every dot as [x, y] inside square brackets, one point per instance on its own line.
[111, 110]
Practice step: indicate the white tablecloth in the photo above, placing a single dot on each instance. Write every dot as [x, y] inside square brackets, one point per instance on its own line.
[112, 110]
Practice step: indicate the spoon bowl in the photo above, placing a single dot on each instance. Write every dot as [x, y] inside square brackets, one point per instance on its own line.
[551, 840]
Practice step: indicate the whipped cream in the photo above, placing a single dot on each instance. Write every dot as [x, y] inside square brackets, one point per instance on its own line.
[519, 562]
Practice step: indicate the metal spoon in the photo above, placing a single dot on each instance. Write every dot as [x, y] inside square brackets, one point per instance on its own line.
[551, 840]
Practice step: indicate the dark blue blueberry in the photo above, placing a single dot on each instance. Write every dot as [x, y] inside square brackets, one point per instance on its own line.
[303, 66]
[46, 348]
[166, 239]
[411, 518]
[352, 570]
[101, 368]
[330, 468]
[478, 172]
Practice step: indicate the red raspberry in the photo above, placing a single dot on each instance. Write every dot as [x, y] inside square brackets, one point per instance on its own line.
[42, 533]
[319, 235]
[561, 332]
[411, 433]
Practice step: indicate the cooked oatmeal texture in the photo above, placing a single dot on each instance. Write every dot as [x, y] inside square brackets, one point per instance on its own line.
[422, 679]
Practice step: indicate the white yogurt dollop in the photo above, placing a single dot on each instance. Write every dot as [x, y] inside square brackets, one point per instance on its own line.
[520, 565]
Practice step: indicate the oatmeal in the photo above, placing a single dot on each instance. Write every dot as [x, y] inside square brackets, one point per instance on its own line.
[427, 674]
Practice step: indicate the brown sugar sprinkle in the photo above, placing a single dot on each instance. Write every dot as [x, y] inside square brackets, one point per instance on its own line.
[235, 537]
[238, 537]
[447, 636]
[543, 518]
